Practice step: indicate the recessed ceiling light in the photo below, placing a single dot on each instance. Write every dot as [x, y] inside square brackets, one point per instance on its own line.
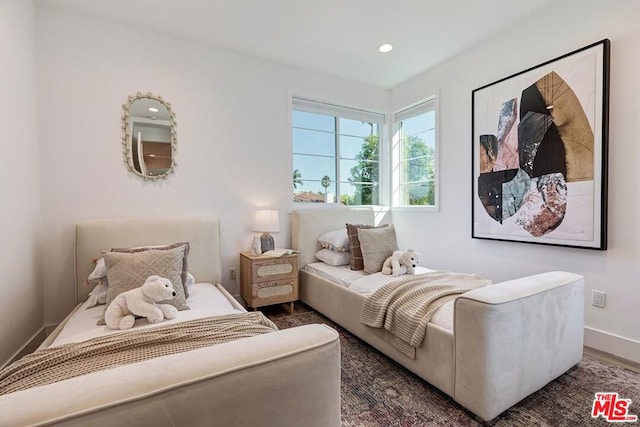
[385, 47]
[153, 109]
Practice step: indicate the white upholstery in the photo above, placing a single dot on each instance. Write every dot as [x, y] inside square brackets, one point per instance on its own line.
[509, 339]
[433, 360]
[514, 337]
[276, 379]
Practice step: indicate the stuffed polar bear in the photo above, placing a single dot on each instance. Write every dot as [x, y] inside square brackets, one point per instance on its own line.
[401, 262]
[142, 302]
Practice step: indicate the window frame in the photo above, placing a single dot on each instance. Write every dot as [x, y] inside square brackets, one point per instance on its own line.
[429, 104]
[342, 112]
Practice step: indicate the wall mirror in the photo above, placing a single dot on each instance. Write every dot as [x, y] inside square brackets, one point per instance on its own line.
[149, 136]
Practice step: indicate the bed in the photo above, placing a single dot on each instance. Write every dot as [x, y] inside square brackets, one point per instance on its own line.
[280, 378]
[510, 339]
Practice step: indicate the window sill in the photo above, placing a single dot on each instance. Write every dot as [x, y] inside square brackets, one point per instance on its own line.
[415, 209]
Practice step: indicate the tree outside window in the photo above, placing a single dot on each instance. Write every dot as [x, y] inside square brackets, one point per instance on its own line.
[415, 157]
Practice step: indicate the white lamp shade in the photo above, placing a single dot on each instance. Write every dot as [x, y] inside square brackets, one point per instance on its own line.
[266, 221]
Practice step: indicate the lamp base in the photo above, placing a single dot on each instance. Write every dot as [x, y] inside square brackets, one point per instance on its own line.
[266, 242]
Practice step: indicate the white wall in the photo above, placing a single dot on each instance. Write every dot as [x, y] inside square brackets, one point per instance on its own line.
[233, 131]
[19, 181]
[234, 145]
[445, 236]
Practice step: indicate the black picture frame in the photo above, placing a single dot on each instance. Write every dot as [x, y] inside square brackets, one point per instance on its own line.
[540, 153]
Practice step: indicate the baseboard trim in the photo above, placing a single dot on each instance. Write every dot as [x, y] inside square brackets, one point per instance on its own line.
[29, 347]
[624, 348]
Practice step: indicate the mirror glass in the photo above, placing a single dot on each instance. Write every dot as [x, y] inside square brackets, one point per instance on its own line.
[149, 136]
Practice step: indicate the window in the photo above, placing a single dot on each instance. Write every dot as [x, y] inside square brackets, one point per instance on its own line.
[336, 154]
[415, 156]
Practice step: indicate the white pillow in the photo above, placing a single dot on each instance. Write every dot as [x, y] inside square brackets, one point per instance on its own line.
[190, 279]
[98, 295]
[333, 258]
[99, 271]
[337, 240]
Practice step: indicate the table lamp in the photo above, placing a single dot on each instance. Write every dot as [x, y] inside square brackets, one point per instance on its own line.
[266, 221]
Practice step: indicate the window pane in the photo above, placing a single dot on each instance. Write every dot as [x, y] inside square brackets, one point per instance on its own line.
[423, 122]
[418, 160]
[427, 137]
[359, 171]
[418, 169]
[319, 142]
[357, 128]
[328, 190]
[326, 187]
[315, 192]
[419, 193]
[415, 159]
[306, 192]
[414, 146]
[365, 148]
[302, 119]
[359, 194]
[314, 142]
[314, 168]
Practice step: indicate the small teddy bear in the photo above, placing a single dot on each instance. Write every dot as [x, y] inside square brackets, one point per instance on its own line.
[142, 302]
[400, 263]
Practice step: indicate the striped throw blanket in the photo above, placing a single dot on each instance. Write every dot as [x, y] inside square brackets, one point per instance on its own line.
[405, 306]
[72, 360]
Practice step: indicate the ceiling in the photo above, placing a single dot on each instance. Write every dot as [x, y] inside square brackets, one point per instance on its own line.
[338, 37]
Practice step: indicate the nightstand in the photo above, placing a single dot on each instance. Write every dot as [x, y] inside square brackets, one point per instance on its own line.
[268, 280]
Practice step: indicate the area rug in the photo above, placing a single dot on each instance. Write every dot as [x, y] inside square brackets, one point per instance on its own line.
[376, 391]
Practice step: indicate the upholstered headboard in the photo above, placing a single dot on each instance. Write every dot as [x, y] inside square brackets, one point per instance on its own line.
[308, 224]
[95, 236]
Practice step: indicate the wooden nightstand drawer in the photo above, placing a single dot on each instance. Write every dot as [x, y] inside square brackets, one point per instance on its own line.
[268, 280]
[273, 292]
[277, 269]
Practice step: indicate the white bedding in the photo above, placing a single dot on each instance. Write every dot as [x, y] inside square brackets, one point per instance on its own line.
[342, 275]
[204, 300]
[366, 284]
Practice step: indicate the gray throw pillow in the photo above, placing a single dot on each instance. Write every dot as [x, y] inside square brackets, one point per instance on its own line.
[357, 263]
[127, 271]
[185, 264]
[376, 244]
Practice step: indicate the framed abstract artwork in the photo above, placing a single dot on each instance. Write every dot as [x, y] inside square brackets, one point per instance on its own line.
[540, 140]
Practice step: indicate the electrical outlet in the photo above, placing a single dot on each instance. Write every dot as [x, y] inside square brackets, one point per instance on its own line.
[598, 298]
[232, 273]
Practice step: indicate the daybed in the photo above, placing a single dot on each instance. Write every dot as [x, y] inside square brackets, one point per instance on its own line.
[488, 350]
[283, 378]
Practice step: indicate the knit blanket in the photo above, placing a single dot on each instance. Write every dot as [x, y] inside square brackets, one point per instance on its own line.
[404, 307]
[55, 364]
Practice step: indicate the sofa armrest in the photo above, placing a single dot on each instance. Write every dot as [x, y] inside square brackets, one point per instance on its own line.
[274, 379]
[514, 337]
